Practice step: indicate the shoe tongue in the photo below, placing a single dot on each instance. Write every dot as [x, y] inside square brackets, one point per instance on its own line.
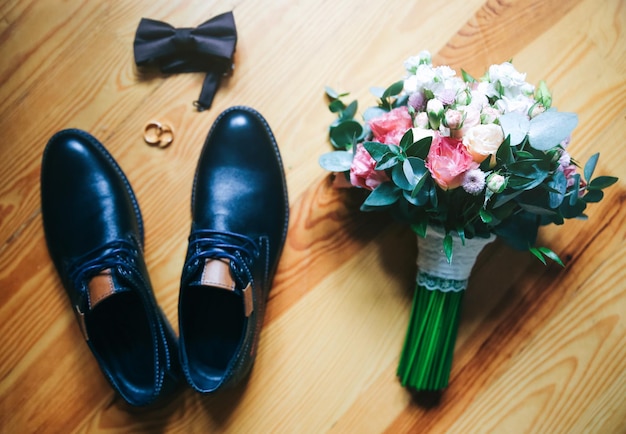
[102, 286]
[216, 273]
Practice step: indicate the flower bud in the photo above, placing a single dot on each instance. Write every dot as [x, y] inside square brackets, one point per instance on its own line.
[464, 98]
[434, 108]
[536, 109]
[496, 183]
[421, 120]
[453, 119]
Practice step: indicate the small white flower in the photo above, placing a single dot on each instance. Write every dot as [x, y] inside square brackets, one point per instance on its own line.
[489, 115]
[434, 109]
[512, 82]
[423, 58]
[473, 181]
[520, 104]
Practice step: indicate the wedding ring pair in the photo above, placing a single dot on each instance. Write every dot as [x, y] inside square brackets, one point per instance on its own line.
[158, 134]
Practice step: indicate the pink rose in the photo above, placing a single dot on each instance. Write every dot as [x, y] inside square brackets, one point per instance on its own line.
[362, 173]
[448, 160]
[390, 127]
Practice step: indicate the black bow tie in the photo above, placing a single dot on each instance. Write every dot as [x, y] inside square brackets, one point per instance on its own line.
[208, 47]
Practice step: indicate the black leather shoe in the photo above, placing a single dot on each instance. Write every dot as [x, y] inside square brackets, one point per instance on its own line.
[94, 233]
[240, 213]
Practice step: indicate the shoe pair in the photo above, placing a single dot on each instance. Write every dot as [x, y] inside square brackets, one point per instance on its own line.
[94, 232]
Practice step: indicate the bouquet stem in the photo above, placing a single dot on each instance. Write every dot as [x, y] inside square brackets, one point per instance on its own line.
[426, 358]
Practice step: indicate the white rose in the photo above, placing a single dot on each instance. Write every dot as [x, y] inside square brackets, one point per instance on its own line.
[483, 140]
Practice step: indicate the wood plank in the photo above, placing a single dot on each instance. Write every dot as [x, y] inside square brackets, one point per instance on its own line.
[540, 349]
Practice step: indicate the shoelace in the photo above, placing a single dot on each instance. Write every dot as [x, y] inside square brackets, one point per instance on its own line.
[117, 254]
[209, 244]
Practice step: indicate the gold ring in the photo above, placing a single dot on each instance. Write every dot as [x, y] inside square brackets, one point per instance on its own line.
[158, 134]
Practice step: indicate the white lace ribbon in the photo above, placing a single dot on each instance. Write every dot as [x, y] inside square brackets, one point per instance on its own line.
[434, 271]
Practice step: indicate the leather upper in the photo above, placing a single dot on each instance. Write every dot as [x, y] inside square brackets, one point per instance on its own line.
[94, 234]
[239, 218]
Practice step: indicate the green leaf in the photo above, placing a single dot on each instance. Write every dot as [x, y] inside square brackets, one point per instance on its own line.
[393, 90]
[569, 210]
[385, 194]
[331, 92]
[574, 193]
[407, 140]
[535, 251]
[514, 125]
[377, 150]
[420, 228]
[420, 148]
[536, 209]
[602, 182]
[550, 254]
[593, 196]
[342, 135]
[466, 77]
[558, 185]
[504, 153]
[336, 106]
[337, 161]
[420, 199]
[485, 216]
[350, 111]
[590, 166]
[399, 177]
[447, 247]
[373, 113]
[550, 128]
[388, 160]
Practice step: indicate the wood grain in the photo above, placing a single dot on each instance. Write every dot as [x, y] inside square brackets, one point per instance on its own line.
[540, 349]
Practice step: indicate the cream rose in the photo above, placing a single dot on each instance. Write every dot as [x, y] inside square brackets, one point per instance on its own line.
[483, 140]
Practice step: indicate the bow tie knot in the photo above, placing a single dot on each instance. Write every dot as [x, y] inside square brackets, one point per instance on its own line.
[183, 38]
[207, 48]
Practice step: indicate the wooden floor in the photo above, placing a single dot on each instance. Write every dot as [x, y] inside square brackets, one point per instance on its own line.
[540, 349]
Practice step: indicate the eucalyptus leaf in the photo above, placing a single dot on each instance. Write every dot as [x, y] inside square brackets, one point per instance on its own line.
[337, 161]
[377, 150]
[420, 199]
[550, 128]
[602, 182]
[514, 125]
[350, 110]
[574, 192]
[388, 160]
[385, 194]
[558, 185]
[593, 196]
[420, 148]
[399, 177]
[571, 210]
[407, 139]
[336, 106]
[342, 135]
[590, 166]
[377, 91]
[331, 92]
[394, 89]
[373, 113]
[536, 209]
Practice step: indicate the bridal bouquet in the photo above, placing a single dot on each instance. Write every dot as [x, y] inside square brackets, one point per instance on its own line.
[461, 160]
